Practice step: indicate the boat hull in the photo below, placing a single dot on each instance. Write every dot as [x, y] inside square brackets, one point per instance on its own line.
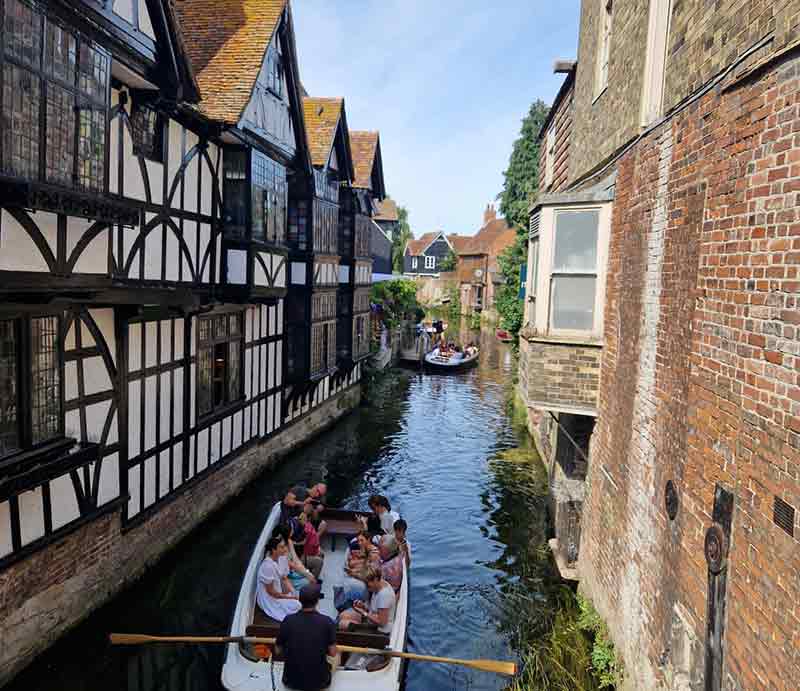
[240, 673]
[439, 364]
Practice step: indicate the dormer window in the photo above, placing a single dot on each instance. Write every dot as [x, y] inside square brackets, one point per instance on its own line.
[275, 71]
[148, 132]
[55, 91]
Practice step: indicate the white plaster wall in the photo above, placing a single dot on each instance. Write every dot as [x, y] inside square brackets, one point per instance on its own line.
[133, 491]
[70, 380]
[96, 416]
[133, 185]
[191, 175]
[237, 268]
[5, 529]
[298, 273]
[150, 410]
[63, 502]
[31, 515]
[175, 157]
[109, 480]
[134, 353]
[95, 376]
[134, 415]
[113, 148]
[18, 252]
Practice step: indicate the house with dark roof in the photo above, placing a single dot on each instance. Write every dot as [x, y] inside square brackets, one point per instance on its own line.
[387, 217]
[424, 256]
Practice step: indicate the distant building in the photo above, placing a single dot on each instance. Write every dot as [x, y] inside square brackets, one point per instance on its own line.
[425, 255]
[477, 267]
[388, 218]
[381, 252]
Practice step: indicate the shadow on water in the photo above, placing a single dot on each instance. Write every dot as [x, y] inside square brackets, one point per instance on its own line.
[437, 446]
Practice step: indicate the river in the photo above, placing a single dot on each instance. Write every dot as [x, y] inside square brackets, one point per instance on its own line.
[477, 523]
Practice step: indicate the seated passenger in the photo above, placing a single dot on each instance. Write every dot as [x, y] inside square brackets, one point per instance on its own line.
[391, 562]
[299, 496]
[380, 611]
[365, 556]
[386, 516]
[400, 529]
[312, 557]
[371, 522]
[291, 560]
[275, 595]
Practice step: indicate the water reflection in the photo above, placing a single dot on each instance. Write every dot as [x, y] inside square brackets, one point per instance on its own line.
[432, 443]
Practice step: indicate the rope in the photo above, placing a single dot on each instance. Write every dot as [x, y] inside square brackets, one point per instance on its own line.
[272, 670]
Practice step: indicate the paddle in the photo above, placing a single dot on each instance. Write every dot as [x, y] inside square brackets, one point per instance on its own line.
[496, 666]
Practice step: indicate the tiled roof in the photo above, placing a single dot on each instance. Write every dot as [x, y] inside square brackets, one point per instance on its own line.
[459, 242]
[363, 146]
[491, 239]
[226, 41]
[321, 116]
[387, 211]
[418, 246]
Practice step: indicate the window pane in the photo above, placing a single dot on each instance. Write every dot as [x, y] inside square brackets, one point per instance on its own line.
[93, 80]
[60, 142]
[572, 302]
[23, 33]
[533, 267]
[9, 430]
[60, 54]
[220, 387]
[220, 327]
[576, 241]
[20, 123]
[204, 380]
[46, 380]
[91, 149]
[236, 203]
[234, 370]
[260, 201]
[146, 132]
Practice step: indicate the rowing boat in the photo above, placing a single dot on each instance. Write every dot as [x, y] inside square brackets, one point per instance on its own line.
[244, 671]
[449, 363]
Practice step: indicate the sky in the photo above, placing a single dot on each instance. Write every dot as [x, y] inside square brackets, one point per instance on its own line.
[446, 82]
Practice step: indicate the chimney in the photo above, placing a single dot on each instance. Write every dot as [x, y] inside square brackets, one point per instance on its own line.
[490, 214]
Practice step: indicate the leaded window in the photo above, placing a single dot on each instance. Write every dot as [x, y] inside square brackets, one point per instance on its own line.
[30, 382]
[268, 187]
[323, 347]
[326, 223]
[275, 71]
[147, 130]
[298, 224]
[236, 192]
[362, 235]
[360, 335]
[219, 362]
[54, 91]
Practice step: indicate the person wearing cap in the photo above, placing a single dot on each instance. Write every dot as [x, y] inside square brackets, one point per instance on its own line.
[304, 639]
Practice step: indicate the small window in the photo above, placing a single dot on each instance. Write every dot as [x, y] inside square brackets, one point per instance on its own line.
[574, 275]
[275, 71]
[604, 54]
[414, 262]
[147, 126]
[219, 362]
[29, 349]
[533, 268]
[430, 262]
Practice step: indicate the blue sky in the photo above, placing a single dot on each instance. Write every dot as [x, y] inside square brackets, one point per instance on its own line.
[445, 81]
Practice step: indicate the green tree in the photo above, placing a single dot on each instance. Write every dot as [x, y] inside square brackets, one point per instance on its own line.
[402, 236]
[521, 182]
[521, 178]
[397, 298]
[449, 262]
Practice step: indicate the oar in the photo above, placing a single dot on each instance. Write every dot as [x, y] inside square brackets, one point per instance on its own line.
[496, 666]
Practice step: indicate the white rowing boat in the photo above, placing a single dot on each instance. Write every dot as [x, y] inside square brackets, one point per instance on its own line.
[243, 671]
[451, 363]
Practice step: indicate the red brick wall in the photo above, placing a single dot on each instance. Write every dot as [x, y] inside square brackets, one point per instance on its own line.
[700, 385]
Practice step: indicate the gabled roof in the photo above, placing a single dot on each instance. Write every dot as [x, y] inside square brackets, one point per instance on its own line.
[491, 239]
[387, 210]
[418, 247]
[186, 87]
[458, 242]
[324, 117]
[367, 162]
[226, 41]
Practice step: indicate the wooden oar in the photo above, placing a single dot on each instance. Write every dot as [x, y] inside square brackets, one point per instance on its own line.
[496, 666]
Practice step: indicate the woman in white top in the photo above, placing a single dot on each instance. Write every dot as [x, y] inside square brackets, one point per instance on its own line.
[275, 595]
[382, 605]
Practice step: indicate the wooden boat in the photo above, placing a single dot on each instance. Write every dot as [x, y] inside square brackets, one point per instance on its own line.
[446, 363]
[503, 336]
[243, 671]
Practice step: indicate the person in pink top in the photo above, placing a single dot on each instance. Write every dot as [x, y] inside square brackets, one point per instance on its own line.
[312, 554]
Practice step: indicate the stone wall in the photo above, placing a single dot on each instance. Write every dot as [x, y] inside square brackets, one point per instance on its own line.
[562, 375]
[44, 595]
[700, 385]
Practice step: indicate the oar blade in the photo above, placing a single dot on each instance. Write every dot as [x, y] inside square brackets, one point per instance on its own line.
[496, 666]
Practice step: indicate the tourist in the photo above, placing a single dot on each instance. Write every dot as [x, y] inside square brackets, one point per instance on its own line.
[291, 562]
[299, 496]
[371, 522]
[275, 595]
[312, 556]
[391, 562]
[380, 612]
[363, 557]
[400, 528]
[385, 514]
[304, 639]
[315, 518]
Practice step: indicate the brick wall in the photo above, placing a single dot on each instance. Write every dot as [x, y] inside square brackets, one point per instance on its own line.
[561, 123]
[44, 595]
[562, 375]
[700, 386]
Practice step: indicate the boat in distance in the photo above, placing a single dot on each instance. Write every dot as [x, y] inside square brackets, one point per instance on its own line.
[243, 670]
[452, 362]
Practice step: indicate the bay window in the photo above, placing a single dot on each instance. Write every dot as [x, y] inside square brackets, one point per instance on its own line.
[31, 376]
[219, 362]
[55, 90]
[573, 281]
[326, 227]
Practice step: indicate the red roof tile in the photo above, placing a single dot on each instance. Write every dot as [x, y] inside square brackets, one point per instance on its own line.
[387, 211]
[322, 116]
[363, 146]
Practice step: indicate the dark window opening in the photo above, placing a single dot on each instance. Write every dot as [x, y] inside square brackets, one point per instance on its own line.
[236, 193]
[275, 71]
[219, 362]
[298, 224]
[54, 79]
[783, 515]
[269, 199]
[147, 126]
[572, 449]
[30, 383]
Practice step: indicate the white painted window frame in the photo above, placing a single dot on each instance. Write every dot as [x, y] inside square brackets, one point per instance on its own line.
[430, 262]
[540, 306]
[606, 30]
[658, 28]
[414, 262]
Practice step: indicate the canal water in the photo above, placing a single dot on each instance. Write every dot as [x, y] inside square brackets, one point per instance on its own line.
[437, 446]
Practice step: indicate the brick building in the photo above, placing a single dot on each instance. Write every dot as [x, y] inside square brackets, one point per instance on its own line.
[659, 357]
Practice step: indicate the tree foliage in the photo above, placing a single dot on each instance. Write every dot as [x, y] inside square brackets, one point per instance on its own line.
[449, 262]
[521, 182]
[398, 300]
[400, 239]
[521, 178]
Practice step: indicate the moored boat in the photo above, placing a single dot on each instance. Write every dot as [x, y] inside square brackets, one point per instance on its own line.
[244, 671]
[503, 336]
[451, 362]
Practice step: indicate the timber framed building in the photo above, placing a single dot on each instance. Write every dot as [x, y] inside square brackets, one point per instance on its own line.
[660, 353]
[173, 314]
